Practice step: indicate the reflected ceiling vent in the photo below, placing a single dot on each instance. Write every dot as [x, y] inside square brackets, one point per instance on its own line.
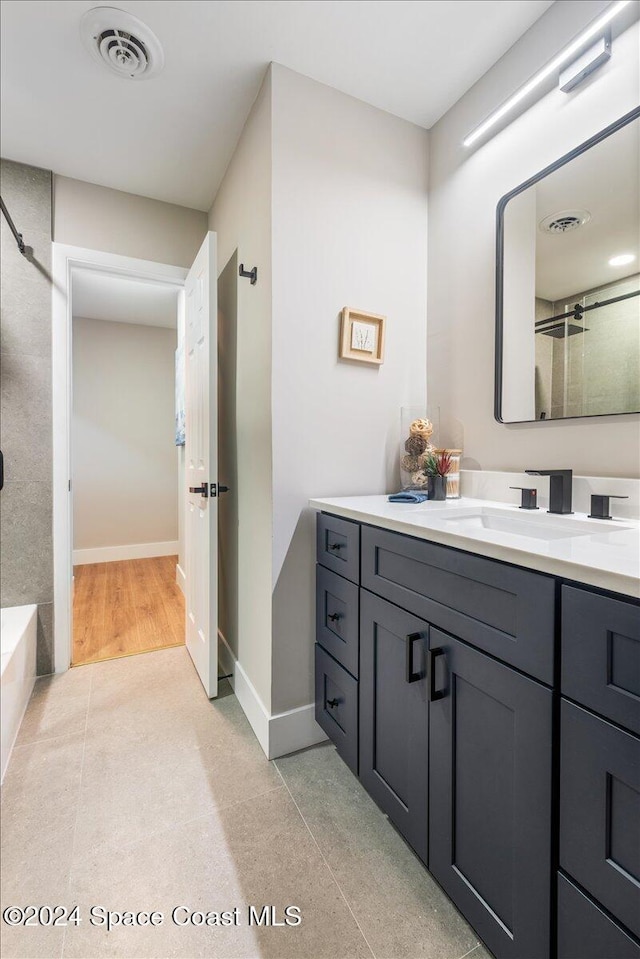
[122, 43]
[564, 222]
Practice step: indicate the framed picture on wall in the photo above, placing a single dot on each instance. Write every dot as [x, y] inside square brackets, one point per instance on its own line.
[180, 397]
[362, 336]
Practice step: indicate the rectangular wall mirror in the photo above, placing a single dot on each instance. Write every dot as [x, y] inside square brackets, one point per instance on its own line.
[568, 284]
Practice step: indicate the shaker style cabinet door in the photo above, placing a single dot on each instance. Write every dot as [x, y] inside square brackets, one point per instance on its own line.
[490, 796]
[394, 740]
[585, 931]
[600, 812]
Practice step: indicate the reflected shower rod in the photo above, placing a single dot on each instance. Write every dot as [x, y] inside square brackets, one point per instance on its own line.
[578, 311]
[17, 236]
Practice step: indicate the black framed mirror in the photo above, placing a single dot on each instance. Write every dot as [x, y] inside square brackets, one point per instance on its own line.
[568, 284]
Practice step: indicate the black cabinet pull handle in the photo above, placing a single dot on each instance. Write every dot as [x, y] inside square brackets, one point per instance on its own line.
[203, 490]
[410, 675]
[336, 546]
[334, 617]
[434, 693]
[332, 703]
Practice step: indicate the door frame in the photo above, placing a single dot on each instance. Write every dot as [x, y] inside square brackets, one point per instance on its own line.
[66, 259]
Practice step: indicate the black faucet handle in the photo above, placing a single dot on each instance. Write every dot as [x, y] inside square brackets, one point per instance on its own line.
[529, 499]
[600, 505]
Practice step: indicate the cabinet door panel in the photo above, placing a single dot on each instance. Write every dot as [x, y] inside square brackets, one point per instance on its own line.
[394, 738]
[600, 811]
[585, 931]
[490, 797]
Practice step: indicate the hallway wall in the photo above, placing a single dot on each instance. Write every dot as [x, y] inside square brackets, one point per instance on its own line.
[99, 218]
[26, 560]
[125, 481]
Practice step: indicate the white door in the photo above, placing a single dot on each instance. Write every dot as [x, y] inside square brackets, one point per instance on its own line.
[201, 458]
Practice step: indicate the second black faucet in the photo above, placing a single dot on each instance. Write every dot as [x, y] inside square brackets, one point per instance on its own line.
[560, 483]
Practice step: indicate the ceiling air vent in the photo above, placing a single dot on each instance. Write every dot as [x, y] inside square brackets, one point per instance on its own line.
[564, 222]
[122, 43]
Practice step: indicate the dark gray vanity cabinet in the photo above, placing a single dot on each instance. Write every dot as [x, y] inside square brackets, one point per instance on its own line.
[394, 715]
[599, 838]
[490, 796]
[492, 712]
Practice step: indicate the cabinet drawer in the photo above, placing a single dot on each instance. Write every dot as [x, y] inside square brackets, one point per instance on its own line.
[337, 617]
[337, 706]
[601, 655]
[338, 546]
[585, 931]
[506, 611]
[600, 811]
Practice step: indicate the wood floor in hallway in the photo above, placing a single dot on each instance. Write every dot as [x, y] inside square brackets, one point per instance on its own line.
[125, 607]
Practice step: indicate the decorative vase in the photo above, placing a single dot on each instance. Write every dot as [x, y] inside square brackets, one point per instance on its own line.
[437, 487]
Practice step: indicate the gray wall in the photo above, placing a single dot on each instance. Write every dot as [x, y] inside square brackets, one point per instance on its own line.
[26, 560]
[464, 188]
[349, 187]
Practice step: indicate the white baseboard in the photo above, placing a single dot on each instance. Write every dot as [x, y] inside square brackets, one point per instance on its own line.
[294, 729]
[110, 554]
[278, 733]
[181, 578]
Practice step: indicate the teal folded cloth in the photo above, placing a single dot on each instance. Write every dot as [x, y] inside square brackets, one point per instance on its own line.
[407, 496]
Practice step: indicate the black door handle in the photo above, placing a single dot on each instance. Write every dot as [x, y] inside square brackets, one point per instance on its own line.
[336, 546]
[332, 703]
[333, 617]
[410, 675]
[434, 693]
[203, 490]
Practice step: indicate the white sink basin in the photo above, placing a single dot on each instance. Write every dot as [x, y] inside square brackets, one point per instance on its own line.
[535, 525]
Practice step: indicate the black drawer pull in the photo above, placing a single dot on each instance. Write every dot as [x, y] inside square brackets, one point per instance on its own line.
[335, 546]
[332, 703]
[334, 617]
[410, 675]
[434, 693]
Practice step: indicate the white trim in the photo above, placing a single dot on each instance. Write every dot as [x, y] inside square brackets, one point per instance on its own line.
[65, 259]
[294, 729]
[278, 734]
[181, 578]
[110, 554]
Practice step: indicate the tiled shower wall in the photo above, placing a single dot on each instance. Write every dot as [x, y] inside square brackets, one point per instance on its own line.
[26, 557]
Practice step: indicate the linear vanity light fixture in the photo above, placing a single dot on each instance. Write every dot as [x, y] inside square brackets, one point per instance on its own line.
[563, 57]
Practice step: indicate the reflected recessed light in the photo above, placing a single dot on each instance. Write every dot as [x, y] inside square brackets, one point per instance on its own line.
[622, 260]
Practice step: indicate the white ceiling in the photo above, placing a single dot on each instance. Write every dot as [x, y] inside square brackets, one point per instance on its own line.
[98, 296]
[171, 137]
[605, 182]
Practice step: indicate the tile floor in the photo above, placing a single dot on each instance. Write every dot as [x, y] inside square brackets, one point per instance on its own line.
[129, 790]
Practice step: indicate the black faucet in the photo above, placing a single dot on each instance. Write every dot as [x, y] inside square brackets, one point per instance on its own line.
[559, 489]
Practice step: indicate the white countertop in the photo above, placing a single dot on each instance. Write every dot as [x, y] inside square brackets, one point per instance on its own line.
[609, 558]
